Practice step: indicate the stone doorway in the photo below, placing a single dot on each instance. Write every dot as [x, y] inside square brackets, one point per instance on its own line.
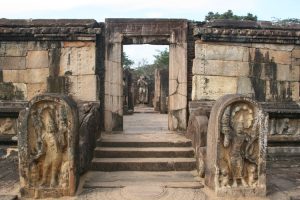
[120, 32]
[145, 88]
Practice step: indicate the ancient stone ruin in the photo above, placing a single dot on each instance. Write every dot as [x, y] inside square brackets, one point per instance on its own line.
[236, 147]
[48, 139]
[80, 59]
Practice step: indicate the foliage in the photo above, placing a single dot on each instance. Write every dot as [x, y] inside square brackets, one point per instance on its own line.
[286, 21]
[144, 68]
[229, 15]
[126, 61]
[162, 59]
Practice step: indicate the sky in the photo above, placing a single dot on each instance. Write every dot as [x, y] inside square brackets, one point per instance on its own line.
[186, 9]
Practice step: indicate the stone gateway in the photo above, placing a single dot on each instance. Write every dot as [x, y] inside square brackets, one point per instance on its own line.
[236, 146]
[47, 139]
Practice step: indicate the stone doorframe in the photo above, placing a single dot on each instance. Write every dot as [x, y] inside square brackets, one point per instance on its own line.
[119, 32]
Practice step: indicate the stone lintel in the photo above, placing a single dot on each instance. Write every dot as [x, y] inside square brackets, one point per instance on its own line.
[248, 32]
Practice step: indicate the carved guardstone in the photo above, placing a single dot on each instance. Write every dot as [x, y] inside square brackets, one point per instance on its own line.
[236, 147]
[48, 137]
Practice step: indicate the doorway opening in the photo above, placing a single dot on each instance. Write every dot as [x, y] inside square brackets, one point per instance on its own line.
[145, 88]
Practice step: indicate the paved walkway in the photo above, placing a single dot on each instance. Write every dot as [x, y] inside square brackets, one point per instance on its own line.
[145, 120]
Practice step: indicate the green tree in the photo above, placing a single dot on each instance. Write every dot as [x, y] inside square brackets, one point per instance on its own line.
[229, 15]
[126, 61]
[286, 21]
[162, 59]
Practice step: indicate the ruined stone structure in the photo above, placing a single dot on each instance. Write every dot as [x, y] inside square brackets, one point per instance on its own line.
[197, 132]
[82, 59]
[144, 31]
[89, 132]
[128, 91]
[48, 142]
[161, 92]
[236, 147]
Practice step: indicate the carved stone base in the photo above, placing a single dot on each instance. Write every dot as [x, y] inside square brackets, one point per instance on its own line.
[48, 147]
[236, 147]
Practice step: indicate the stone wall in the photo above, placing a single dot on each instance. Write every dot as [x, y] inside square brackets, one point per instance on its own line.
[266, 71]
[235, 59]
[35, 55]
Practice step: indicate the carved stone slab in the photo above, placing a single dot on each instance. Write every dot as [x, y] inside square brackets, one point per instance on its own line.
[236, 147]
[48, 137]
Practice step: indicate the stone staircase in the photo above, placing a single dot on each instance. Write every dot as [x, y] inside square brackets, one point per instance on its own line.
[144, 153]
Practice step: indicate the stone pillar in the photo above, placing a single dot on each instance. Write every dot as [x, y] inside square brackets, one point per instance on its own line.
[48, 144]
[197, 132]
[177, 86]
[156, 99]
[164, 90]
[113, 104]
[89, 132]
[236, 147]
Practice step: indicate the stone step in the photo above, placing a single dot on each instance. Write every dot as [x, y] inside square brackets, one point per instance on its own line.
[143, 164]
[143, 152]
[142, 143]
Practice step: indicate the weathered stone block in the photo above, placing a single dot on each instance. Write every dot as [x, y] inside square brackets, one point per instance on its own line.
[197, 132]
[13, 91]
[16, 76]
[276, 47]
[278, 57]
[37, 59]
[84, 88]
[296, 53]
[221, 52]
[48, 147]
[212, 87]
[236, 147]
[34, 89]
[281, 90]
[78, 61]
[220, 68]
[57, 84]
[10, 63]
[37, 75]
[295, 91]
[287, 73]
[115, 73]
[89, 132]
[78, 44]
[15, 49]
[244, 86]
[26, 76]
[113, 89]
[176, 121]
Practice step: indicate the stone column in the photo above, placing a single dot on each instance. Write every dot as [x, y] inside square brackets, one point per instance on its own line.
[48, 143]
[177, 86]
[164, 90]
[156, 99]
[236, 147]
[113, 104]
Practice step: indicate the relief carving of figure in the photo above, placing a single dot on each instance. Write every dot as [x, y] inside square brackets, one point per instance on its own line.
[50, 125]
[7, 127]
[239, 145]
[143, 90]
[284, 126]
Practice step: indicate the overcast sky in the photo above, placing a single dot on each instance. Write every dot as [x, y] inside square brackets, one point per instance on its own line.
[187, 9]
